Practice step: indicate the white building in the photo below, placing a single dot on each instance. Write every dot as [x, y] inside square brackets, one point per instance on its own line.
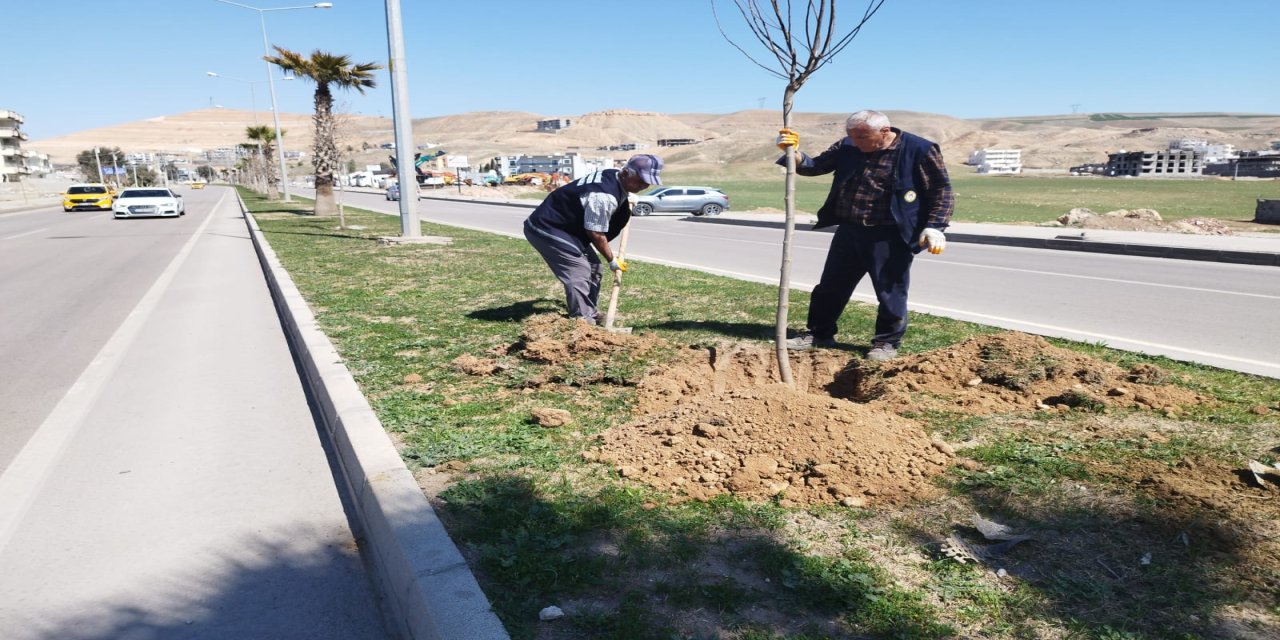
[997, 160]
[13, 160]
[1210, 153]
[572, 165]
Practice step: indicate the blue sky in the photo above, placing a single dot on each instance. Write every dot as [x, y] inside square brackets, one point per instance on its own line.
[88, 64]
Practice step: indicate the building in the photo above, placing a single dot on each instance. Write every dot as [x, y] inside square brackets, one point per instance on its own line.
[676, 142]
[997, 160]
[1254, 166]
[1158, 164]
[554, 124]
[13, 160]
[1210, 152]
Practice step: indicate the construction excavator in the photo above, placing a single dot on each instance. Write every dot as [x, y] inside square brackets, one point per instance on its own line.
[420, 159]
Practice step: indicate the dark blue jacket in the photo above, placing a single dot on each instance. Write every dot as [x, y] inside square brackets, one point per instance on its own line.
[561, 213]
[847, 161]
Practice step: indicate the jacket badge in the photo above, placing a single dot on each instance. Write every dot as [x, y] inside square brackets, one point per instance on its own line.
[909, 196]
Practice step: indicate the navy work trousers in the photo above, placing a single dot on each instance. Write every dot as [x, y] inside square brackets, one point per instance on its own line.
[857, 251]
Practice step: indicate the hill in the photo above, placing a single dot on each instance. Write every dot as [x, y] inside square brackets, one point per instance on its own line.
[1050, 142]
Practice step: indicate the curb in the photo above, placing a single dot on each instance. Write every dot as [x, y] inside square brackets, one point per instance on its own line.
[1068, 243]
[430, 592]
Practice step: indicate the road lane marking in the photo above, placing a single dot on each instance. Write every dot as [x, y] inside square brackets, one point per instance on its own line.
[1113, 280]
[21, 482]
[21, 235]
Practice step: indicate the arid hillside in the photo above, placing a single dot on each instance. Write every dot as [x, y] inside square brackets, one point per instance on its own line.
[741, 137]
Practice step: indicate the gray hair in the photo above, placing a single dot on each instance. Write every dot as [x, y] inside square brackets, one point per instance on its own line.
[873, 119]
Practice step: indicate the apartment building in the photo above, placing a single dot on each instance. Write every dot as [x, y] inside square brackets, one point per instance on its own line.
[554, 124]
[1158, 164]
[1209, 152]
[997, 161]
[13, 160]
[572, 165]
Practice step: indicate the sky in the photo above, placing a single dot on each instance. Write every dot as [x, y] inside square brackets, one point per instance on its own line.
[81, 64]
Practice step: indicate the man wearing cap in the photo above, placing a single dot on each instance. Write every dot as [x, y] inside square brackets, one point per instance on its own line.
[578, 220]
[890, 199]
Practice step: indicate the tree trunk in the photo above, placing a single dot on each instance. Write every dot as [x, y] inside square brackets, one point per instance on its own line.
[784, 281]
[325, 155]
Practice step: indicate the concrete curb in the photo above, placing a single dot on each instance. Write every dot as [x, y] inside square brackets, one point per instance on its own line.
[1068, 243]
[430, 592]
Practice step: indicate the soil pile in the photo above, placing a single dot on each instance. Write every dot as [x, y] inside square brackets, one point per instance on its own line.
[772, 440]
[1010, 372]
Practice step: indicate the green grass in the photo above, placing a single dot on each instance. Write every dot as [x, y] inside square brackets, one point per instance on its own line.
[540, 526]
[1014, 199]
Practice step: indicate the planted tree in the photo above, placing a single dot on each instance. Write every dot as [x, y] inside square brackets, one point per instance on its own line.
[798, 47]
[264, 141]
[327, 70]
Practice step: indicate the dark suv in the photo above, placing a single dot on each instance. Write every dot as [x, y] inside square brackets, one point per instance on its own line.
[700, 201]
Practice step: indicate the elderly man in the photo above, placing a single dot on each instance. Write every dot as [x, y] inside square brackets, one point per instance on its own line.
[890, 199]
[578, 220]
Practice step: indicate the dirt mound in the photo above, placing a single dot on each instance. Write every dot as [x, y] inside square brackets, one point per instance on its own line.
[772, 440]
[1012, 371]
[551, 339]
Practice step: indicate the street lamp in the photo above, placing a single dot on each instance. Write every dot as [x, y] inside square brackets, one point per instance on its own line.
[266, 51]
[253, 99]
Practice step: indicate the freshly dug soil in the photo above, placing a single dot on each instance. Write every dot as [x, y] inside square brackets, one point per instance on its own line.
[771, 440]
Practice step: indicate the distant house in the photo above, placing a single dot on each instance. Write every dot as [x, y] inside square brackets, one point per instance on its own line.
[676, 142]
[1256, 166]
[554, 124]
[1209, 152]
[572, 165]
[13, 160]
[1007, 161]
[1158, 164]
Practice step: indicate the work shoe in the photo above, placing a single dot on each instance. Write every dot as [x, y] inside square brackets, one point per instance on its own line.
[881, 351]
[805, 340]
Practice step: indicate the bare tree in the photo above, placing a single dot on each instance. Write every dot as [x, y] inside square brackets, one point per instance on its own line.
[798, 49]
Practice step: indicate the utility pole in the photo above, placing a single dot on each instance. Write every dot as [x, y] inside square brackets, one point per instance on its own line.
[115, 169]
[97, 158]
[403, 122]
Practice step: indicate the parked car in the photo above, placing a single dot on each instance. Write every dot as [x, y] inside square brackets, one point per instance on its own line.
[700, 201]
[86, 196]
[197, 185]
[393, 192]
[140, 202]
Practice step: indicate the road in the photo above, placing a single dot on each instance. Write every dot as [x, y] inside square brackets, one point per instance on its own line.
[160, 470]
[1206, 312]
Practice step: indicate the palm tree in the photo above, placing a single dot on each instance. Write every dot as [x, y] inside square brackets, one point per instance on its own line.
[264, 138]
[326, 70]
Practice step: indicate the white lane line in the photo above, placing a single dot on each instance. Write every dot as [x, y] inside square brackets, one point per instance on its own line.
[1111, 280]
[20, 484]
[29, 233]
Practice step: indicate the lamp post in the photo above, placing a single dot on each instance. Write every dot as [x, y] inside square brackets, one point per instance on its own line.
[266, 51]
[253, 99]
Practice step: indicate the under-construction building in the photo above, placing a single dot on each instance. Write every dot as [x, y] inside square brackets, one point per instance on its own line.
[1156, 164]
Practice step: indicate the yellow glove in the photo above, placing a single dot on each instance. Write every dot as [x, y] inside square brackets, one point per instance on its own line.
[787, 138]
[618, 265]
[933, 241]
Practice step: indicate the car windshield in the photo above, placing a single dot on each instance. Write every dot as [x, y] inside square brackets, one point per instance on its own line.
[76, 190]
[145, 193]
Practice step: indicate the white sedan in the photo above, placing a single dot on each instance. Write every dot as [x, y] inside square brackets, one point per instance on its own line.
[140, 202]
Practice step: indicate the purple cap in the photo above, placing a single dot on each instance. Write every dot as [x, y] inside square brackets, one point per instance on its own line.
[646, 166]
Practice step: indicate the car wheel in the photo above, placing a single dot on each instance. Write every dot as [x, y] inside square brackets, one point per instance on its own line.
[710, 209]
[643, 209]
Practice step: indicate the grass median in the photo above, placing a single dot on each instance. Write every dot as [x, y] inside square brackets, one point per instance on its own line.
[1130, 538]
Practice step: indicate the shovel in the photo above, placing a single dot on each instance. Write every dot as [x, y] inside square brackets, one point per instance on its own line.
[617, 287]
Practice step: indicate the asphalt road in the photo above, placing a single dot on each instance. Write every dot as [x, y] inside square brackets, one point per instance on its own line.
[1206, 312]
[160, 470]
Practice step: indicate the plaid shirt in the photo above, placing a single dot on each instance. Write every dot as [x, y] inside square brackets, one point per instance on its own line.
[867, 196]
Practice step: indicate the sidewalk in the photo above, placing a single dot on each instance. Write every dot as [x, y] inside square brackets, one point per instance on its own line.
[1258, 249]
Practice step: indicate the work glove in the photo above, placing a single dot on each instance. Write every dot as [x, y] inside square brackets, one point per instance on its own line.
[787, 138]
[619, 266]
[933, 241]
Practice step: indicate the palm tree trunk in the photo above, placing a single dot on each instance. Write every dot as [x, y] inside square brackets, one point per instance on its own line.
[784, 281]
[325, 151]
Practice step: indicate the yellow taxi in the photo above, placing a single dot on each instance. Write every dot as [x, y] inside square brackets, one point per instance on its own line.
[197, 185]
[87, 196]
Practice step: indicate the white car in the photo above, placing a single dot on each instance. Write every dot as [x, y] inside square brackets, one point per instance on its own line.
[140, 202]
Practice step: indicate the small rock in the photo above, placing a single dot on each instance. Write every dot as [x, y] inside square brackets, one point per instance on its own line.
[973, 382]
[1001, 573]
[551, 613]
[840, 490]
[706, 430]
[944, 448]
[1155, 436]
[970, 465]
[549, 417]
[628, 472]
[825, 470]
[1118, 392]
[1259, 410]
[853, 501]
